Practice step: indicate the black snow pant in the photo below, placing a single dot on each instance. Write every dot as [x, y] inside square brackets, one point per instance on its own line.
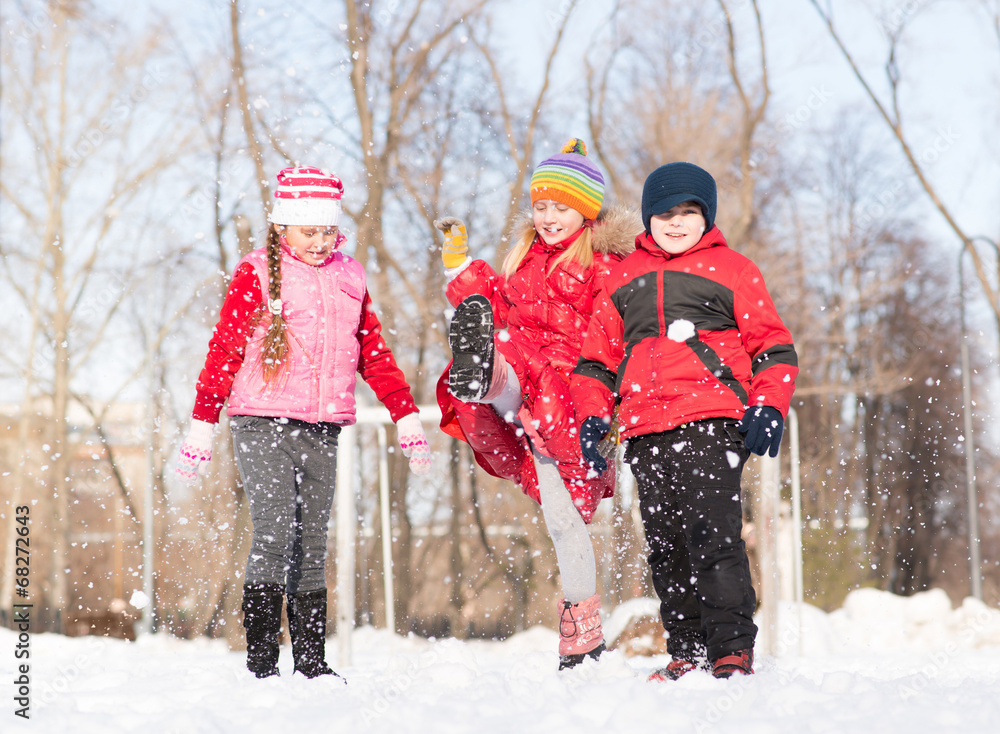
[689, 496]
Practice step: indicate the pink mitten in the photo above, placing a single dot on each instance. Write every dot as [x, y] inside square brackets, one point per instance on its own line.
[414, 444]
[196, 451]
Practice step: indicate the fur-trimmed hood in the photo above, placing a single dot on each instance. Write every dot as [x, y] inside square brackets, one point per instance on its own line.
[615, 229]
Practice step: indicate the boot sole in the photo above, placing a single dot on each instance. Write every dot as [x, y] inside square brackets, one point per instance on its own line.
[318, 672]
[470, 336]
[730, 665]
[729, 671]
[571, 661]
[668, 674]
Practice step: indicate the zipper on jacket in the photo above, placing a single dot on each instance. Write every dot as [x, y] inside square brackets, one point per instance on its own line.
[321, 342]
[305, 352]
[661, 316]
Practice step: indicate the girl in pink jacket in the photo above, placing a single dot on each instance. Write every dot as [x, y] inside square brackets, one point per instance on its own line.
[296, 328]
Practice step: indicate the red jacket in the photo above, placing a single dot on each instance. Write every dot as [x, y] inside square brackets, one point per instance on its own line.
[541, 306]
[679, 338]
[545, 309]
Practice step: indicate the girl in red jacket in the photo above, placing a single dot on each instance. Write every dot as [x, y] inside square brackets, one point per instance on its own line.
[685, 338]
[507, 393]
[296, 328]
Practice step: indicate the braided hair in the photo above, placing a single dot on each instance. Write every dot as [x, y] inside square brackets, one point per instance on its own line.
[274, 350]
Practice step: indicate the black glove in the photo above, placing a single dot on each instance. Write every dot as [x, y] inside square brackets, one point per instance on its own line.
[591, 432]
[762, 428]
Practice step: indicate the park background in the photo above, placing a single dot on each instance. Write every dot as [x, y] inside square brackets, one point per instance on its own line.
[857, 162]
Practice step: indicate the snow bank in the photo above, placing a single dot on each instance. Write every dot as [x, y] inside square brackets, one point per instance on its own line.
[874, 621]
[881, 663]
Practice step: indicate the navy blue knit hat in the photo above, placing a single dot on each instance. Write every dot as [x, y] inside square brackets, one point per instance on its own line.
[675, 183]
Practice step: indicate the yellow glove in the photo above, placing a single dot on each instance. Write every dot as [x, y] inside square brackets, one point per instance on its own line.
[456, 241]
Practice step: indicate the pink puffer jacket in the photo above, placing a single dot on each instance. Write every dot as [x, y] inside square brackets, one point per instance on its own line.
[322, 308]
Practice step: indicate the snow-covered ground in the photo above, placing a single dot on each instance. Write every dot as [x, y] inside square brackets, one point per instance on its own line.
[880, 664]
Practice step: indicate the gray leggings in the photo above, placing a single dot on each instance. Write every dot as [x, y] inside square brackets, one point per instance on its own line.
[289, 469]
[570, 538]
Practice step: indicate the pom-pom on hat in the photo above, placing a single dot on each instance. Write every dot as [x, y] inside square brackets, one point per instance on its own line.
[675, 183]
[571, 179]
[307, 196]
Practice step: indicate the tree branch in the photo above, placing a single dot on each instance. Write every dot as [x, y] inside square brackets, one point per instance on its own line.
[895, 125]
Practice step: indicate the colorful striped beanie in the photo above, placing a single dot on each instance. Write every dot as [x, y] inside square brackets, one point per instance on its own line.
[569, 178]
[308, 197]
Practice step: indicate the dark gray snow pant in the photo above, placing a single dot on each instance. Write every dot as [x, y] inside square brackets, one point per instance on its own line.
[289, 469]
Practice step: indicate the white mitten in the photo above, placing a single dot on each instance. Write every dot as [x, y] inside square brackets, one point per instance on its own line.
[196, 451]
[414, 444]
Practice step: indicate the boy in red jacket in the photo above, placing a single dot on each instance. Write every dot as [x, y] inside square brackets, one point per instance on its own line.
[686, 339]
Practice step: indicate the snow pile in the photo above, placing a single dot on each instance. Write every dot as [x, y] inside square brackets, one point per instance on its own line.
[873, 621]
[620, 617]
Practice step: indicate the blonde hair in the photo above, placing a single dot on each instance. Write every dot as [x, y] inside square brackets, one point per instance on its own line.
[580, 252]
[274, 349]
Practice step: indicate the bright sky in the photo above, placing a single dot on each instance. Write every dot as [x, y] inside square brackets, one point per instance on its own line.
[950, 68]
[949, 61]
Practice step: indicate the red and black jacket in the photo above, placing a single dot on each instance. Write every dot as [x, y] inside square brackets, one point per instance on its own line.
[679, 338]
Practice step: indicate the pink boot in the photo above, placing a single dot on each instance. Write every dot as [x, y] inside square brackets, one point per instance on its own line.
[580, 633]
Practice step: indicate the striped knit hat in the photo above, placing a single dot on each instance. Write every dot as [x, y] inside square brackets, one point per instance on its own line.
[569, 178]
[307, 196]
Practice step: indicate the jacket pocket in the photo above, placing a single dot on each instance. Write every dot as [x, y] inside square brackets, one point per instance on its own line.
[739, 443]
[571, 284]
[352, 287]
[245, 422]
[352, 296]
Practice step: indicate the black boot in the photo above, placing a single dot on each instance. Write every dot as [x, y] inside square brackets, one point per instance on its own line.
[262, 620]
[471, 338]
[307, 628]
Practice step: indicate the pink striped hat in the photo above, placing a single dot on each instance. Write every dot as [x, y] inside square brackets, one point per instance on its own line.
[307, 196]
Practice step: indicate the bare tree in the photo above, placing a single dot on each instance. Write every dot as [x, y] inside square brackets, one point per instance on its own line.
[243, 98]
[521, 119]
[77, 117]
[647, 107]
[873, 407]
[890, 111]
[411, 44]
[753, 106]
